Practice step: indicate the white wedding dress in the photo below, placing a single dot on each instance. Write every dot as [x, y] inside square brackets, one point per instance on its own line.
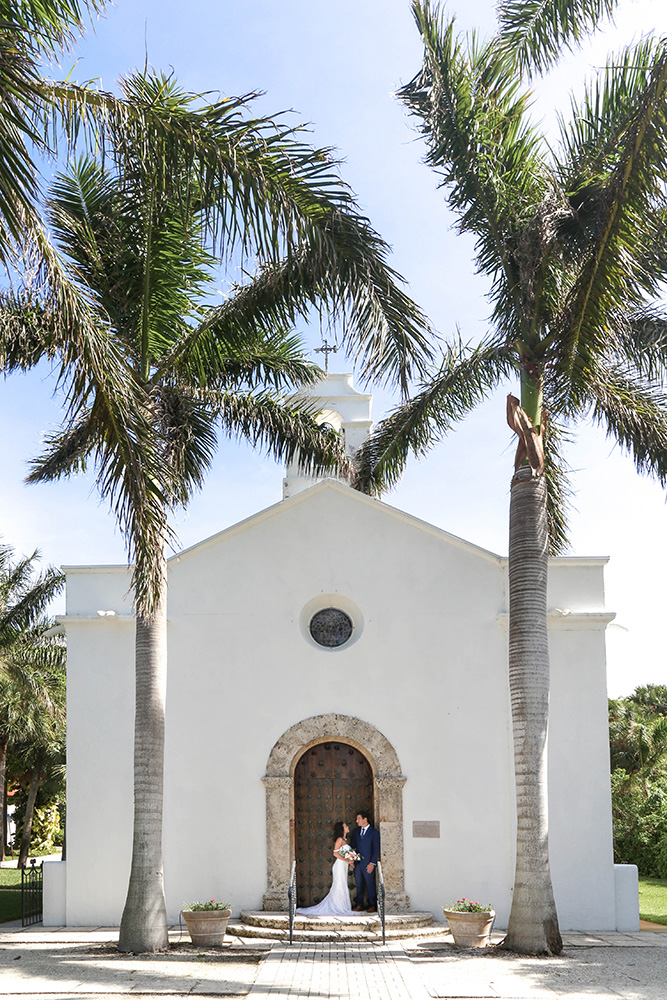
[337, 902]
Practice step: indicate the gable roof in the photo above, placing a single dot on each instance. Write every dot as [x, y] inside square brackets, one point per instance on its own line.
[354, 497]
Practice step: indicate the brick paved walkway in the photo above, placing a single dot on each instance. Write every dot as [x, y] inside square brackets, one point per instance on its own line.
[357, 971]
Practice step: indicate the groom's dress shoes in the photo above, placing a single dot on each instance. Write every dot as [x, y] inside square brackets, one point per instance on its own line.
[359, 909]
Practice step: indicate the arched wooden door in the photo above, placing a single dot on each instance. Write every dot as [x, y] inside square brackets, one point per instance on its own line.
[331, 782]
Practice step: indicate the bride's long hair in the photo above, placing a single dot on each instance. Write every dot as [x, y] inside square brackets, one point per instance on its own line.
[339, 830]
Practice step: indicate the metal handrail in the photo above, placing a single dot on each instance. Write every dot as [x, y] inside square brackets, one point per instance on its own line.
[381, 900]
[291, 901]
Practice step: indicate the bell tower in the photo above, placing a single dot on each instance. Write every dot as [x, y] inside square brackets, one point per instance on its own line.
[345, 409]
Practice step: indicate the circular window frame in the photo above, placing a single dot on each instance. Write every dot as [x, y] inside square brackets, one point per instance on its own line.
[339, 630]
[321, 603]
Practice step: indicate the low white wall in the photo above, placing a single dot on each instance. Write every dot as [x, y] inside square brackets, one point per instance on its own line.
[626, 884]
[55, 893]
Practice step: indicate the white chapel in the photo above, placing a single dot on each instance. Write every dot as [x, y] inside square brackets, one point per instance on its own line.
[329, 654]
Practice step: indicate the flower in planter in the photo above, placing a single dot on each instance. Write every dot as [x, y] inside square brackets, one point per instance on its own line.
[468, 906]
[209, 904]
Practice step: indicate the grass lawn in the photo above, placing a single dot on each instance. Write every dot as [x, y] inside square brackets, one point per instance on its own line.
[653, 900]
[10, 894]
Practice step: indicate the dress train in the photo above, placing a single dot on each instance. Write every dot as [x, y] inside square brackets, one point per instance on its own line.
[337, 902]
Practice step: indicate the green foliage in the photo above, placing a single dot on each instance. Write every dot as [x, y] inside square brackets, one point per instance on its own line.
[638, 748]
[468, 906]
[29, 31]
[650, 698]
[537, 31]
[208, 904]
[45, 829]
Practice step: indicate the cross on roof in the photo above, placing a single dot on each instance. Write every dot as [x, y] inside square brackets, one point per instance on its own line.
[326, 349]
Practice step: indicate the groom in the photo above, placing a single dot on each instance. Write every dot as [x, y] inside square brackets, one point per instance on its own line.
[365, 840]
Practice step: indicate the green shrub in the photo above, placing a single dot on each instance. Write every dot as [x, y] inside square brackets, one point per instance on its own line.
[640, 825]
[45, 829]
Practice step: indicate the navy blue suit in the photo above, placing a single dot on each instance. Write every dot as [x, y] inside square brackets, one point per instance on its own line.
[368, 847]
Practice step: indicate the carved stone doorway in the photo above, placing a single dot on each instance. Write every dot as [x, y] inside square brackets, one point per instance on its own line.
[387, 801]
[332, 781]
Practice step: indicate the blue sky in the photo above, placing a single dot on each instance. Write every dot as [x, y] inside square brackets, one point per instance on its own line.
[336, 63]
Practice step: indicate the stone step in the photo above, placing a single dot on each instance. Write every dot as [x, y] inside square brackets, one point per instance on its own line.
[275, 927]
[367, 921]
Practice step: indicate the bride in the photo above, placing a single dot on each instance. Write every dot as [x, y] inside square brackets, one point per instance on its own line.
[337, 902]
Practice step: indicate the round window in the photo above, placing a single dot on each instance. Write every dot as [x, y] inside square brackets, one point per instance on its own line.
[331, 627]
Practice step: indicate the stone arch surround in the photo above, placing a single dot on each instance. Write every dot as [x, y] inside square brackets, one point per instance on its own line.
[388, 784]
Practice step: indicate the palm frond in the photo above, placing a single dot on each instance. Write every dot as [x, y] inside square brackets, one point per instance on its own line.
[245, 340]
[28, 31]
[537, 31]
[129, 474]
[260, 189]
[633, 413]
[23, 595]
[615, 174]
[32, 603]
[67, 450]
[559, 489]
[472, 111]
[643, 338]
[286, 430]
[466, 376]
[379, 326]
[189, 439]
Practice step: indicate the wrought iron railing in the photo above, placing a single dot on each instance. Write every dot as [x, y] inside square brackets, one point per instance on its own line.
[31, 894]
[381, 900]
[291, 901]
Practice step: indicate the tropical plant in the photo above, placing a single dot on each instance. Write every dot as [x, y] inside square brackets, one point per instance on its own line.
[32, 660]
[468, 906]
[572, 240]
[638, 745]
[207, 904]
[650, 699]
[142, 233]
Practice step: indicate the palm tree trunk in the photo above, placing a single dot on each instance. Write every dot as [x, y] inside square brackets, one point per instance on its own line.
[533, 922]
[29, 813]
[3, 795]
[143, 925]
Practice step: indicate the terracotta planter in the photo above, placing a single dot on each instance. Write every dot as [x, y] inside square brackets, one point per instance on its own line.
[470, 930]
[206, 927]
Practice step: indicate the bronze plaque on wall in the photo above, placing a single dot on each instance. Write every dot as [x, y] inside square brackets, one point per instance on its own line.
[426, 828]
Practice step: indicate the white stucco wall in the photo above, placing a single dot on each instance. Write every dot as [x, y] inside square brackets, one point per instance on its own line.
[427, 668]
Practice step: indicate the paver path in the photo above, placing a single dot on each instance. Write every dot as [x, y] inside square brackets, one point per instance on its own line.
[356, 971]
[69, 964]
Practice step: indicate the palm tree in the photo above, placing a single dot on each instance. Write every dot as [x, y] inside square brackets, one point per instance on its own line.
[31, 659]
[573, 243]
[650, 699]
[142, 234]
[638, 741]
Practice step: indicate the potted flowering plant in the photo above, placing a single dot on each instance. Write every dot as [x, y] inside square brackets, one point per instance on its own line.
[470, 922]
[207, 921]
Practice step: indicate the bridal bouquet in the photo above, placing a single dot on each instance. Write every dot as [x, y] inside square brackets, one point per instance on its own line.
[348, 854]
